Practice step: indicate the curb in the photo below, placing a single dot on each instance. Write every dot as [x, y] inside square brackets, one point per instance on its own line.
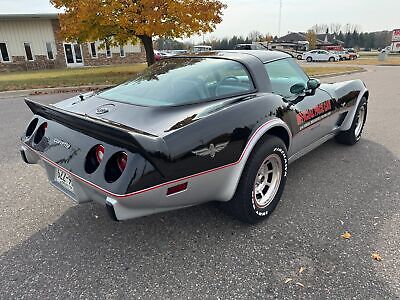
[340, 73]
[46, 91]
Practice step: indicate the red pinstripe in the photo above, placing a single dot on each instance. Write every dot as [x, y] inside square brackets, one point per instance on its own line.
[156, 186]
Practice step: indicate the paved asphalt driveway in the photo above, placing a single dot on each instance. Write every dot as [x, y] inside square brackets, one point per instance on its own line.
[51, 248]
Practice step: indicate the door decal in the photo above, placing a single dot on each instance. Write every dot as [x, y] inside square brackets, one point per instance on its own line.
[310, 116]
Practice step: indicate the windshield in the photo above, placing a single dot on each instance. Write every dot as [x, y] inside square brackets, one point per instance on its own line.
[180, 81]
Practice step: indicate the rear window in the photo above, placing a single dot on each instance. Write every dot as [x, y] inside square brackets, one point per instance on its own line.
[180, 81]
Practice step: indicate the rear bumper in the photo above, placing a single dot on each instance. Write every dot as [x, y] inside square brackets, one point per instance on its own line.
[150, 201]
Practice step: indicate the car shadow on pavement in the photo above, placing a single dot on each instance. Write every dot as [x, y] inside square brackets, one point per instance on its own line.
[201, 253]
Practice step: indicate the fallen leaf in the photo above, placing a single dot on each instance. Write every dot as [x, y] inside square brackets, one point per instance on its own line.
[288, 280]
[301, 270]
[376, 256]
[300, 284]
[346, 235]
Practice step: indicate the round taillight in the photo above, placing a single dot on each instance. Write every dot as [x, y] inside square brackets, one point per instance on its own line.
[31, 127]
[94, 158]
[99, 153]
[115, 166]
[40, 133]
[122, 161]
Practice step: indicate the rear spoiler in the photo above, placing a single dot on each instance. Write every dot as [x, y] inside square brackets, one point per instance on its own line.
[108, 131]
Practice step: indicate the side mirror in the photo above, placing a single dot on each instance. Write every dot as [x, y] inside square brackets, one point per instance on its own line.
[313, 84]
[297, 89]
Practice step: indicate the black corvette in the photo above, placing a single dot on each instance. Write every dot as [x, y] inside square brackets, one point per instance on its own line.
[222, 126]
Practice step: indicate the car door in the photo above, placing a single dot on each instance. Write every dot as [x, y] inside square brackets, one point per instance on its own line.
[306, 112]
[324, 55]
[314, 55]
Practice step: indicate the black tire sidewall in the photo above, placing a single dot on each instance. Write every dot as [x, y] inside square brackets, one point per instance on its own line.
[349, 137]
[271, 145]
[363, 102]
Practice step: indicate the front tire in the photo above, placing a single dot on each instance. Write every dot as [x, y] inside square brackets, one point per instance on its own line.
[309, 59]
[353, 135]
[262, 182]
[331, 59]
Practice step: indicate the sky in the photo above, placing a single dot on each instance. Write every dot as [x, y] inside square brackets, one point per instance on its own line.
[244, 16]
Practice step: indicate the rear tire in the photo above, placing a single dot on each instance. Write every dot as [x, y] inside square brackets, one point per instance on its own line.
[331, 59]
[299, 57]
[353, 135]
[262, 182]
[309, 59]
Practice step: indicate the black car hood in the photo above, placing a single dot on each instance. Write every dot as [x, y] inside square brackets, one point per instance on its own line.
[157, 121]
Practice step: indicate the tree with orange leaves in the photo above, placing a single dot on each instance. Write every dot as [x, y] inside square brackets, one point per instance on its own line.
[118, 22]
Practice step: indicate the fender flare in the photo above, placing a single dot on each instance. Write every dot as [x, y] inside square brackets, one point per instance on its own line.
[258, 134]
[352, 112]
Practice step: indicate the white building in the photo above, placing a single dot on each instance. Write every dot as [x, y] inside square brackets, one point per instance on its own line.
[30, 41]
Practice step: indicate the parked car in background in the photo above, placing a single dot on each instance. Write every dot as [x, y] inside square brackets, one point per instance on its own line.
[202, 48]
[255, 46]
[353, 53]
[162, 54]
[343, 55]
[157, 55]
[320, 55]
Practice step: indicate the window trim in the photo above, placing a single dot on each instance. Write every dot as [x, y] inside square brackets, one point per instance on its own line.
[109, 47]
[26, 55]
[91, 51]
[47, 51]
[8, 52]
[275, 60]
[122, 48]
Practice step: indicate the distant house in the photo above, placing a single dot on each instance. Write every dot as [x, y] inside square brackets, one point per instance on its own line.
[298, 41]
[30, 42]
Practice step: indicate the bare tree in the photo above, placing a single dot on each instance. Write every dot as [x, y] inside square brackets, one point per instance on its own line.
[320, 28]
[335, 28]
[255, 36]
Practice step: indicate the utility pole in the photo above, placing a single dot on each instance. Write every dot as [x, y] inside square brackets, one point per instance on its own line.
[280, 18]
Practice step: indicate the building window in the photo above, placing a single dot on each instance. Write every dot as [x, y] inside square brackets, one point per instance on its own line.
[49, 48]
[28, 51]
[4, 53]
[108, 50]
[93, 50]
[121, 51]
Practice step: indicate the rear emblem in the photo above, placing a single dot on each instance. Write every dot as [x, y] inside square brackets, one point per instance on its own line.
[104, 109]
[66, 145]
[212, 150]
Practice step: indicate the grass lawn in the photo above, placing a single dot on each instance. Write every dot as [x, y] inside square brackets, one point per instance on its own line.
[373, 60]
[315, 71]
[68, 77]
[101, 76]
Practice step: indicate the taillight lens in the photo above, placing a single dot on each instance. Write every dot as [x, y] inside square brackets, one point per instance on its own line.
[122, 161]
[94, 158]
[115, 166]
[99, 153]
[40, 133]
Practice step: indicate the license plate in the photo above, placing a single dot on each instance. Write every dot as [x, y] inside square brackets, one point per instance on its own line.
[64, 180]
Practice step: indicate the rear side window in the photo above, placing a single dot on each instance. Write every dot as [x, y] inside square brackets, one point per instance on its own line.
[283, 74]
[180, 81]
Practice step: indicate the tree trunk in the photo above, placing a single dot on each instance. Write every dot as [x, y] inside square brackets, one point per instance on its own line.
[148, 46]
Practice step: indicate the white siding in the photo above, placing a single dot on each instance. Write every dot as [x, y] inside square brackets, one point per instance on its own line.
[35, 31]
